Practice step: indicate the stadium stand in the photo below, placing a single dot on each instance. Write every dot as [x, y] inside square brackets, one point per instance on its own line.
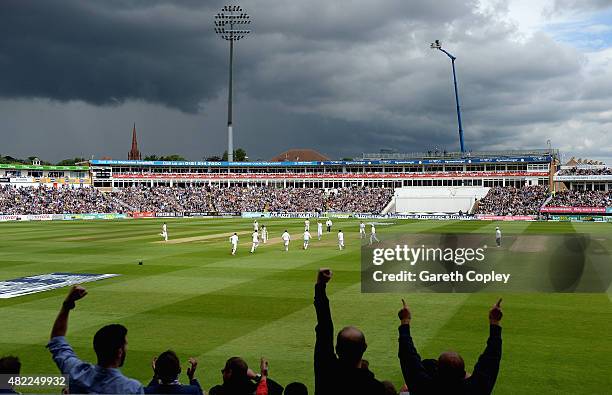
[574, 171]
[581, 199]
[44, 200]
[513, 201]
[49, 200]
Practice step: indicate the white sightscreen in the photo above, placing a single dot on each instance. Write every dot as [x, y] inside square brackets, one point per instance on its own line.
[437, 199]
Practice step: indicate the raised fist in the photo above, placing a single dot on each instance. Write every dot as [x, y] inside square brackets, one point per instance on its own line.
[325, 274]
[77, 292]
[495, 314]
[404, 314]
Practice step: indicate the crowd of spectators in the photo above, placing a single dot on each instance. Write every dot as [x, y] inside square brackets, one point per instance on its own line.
[513, 201]
[581, 199]
[362, 200]
[575, 171]
[339, 369]
[46, 200]
[167, 199]
[268, 199]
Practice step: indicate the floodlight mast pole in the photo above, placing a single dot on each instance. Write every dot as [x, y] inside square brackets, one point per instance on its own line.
[438, 45]
[230, 16]
[230, 130]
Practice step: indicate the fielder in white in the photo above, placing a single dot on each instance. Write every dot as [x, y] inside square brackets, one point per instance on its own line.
[307, 225]
[234, 241]
[319, 230]
[264, 234]
[255, 226]
[362, 231]
[164, 232]
[286, 238]
[306, 239]
[373, 235]
[255, 241]
[340, 240]
[498, 236]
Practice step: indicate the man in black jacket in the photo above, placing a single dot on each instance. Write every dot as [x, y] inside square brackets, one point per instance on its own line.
[450, 376]
[9, 366]
[344, 373]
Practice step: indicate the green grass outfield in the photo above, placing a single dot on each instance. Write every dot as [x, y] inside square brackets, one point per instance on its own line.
[198, 300]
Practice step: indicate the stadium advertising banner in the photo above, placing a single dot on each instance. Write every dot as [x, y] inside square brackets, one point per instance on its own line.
[581, 218]
[434, 216]
[469, 263]
[249, 214]
[168, 215]
[574, 210]
[295, 215]
[4, 218]
[22, 179]
[201, 214]
[68, 217]
[229, 214]
[592, 177]
[91, 216]
[506, 217]
[40, 217]
[41, 167]
[211, 214]
[62, 180]
[143, 214]
[339, 215]
[520, 159]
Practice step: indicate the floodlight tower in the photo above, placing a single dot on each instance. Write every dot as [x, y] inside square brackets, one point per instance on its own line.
[438, 45]
[230, 24]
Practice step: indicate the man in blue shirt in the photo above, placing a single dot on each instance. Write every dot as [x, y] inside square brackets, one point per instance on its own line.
[110, 345]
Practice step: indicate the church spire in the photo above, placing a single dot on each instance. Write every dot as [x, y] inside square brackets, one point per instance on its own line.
[134, 154]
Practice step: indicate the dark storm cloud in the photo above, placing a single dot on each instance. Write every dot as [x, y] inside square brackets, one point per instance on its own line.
[343, 77]
[108, 52]
[165, 52]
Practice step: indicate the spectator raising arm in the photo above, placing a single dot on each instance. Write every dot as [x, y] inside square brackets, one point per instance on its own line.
[415, 375]
[60, 326]
[262, 386]
[324, 356]
[486, 369]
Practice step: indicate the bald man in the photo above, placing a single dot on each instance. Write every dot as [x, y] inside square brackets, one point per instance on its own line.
[449, 376]
[342, 371]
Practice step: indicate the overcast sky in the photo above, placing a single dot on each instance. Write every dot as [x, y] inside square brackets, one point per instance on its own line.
[341, 77]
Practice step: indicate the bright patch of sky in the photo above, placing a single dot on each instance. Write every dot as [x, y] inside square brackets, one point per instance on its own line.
[590, 33]
[585, 29]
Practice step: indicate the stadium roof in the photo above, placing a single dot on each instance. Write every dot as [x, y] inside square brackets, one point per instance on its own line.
[298, 155]
[437, 154]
